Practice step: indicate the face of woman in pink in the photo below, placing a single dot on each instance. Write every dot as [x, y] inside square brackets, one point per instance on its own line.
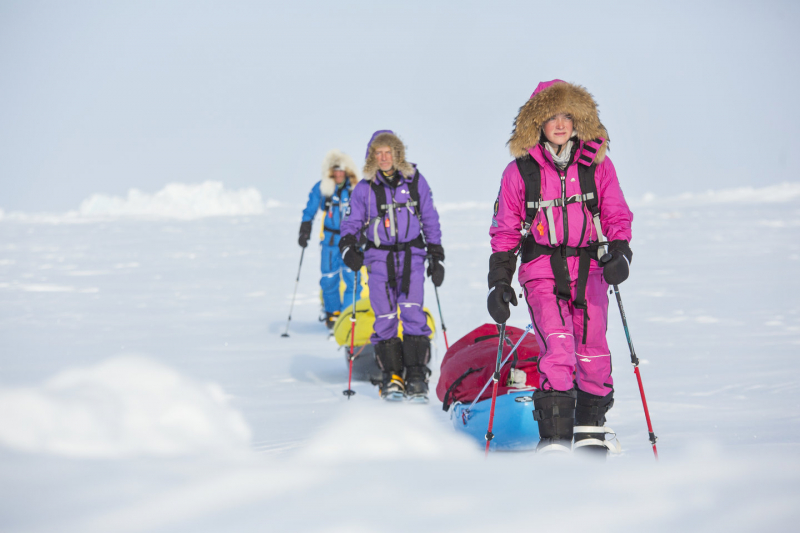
[558, 129]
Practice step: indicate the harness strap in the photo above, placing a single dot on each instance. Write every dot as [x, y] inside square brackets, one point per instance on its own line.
[399, 247]
[447, 399]
[391, 257]
[551, 223]
[575, 198]
[406, 285]
[584, 262]
[558, 263]
[410, 203]
[391, 271]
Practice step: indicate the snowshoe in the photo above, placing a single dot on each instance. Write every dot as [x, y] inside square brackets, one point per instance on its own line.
[417, 384]
[419, 397]
[553, 446]
[590, 432]
[594, 441]
[392, 388]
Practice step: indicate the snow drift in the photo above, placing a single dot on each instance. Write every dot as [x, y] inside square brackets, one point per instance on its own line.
[376, 432]
[177, 200]
[125, 406]
[782, 192]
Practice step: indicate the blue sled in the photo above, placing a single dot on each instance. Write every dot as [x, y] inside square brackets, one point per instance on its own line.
[514, 428]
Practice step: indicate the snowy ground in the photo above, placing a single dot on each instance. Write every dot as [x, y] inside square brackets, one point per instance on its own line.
[144, 385]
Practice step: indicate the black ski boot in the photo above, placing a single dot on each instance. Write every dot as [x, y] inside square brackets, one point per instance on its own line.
[555, 413]
[590, 419]
[416, 356]
[389, 355]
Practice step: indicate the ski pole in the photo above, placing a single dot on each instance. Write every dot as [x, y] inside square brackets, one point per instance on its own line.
[297, 281]
[514, 349]
[349, 392]
[441, 318]
[496, 379]
[634, 359]
[635, 363]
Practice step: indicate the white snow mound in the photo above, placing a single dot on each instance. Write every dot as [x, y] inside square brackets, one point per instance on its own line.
[370, 432]
[782, 192]
[122, 407]
[177, 200]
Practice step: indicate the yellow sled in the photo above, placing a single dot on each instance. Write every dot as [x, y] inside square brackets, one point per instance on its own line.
[364, 366]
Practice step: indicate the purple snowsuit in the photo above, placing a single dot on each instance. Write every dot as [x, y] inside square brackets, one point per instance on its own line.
[387, 269]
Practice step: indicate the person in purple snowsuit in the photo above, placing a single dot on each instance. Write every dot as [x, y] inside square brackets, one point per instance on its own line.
[393, 209]
[557, 230]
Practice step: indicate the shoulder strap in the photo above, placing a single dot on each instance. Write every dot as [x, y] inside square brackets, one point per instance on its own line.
[380, 197]
[413, 187]
[413, 192]
[531, 174]
[588, 185]
[589, 192]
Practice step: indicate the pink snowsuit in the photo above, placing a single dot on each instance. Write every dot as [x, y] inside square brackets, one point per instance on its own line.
[558, 324]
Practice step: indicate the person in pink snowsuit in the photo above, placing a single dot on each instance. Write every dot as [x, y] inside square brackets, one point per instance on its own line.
[559, 204]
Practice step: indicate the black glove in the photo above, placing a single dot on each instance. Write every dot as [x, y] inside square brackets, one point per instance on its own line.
[499, 297]
[502, 266]
[616, 263]
[348, 246]
[305, 233]
[436, 264]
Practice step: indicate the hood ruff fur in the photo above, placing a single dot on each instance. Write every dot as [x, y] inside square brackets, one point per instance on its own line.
[398, 154]
[327, 185]
[561, 97]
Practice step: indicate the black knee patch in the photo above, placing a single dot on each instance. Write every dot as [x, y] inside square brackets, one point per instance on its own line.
[555, 413]
[389, 355]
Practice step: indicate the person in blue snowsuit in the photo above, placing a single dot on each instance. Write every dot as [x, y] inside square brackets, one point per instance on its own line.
[331, 195]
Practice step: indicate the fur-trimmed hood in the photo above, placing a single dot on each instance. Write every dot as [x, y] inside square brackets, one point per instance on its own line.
[334, 158]
[386, 138]
[549, 99]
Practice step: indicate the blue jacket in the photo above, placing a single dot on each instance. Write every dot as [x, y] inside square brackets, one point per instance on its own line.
[334, 209]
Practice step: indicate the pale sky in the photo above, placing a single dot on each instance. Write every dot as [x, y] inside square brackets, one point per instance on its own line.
[105, 96]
